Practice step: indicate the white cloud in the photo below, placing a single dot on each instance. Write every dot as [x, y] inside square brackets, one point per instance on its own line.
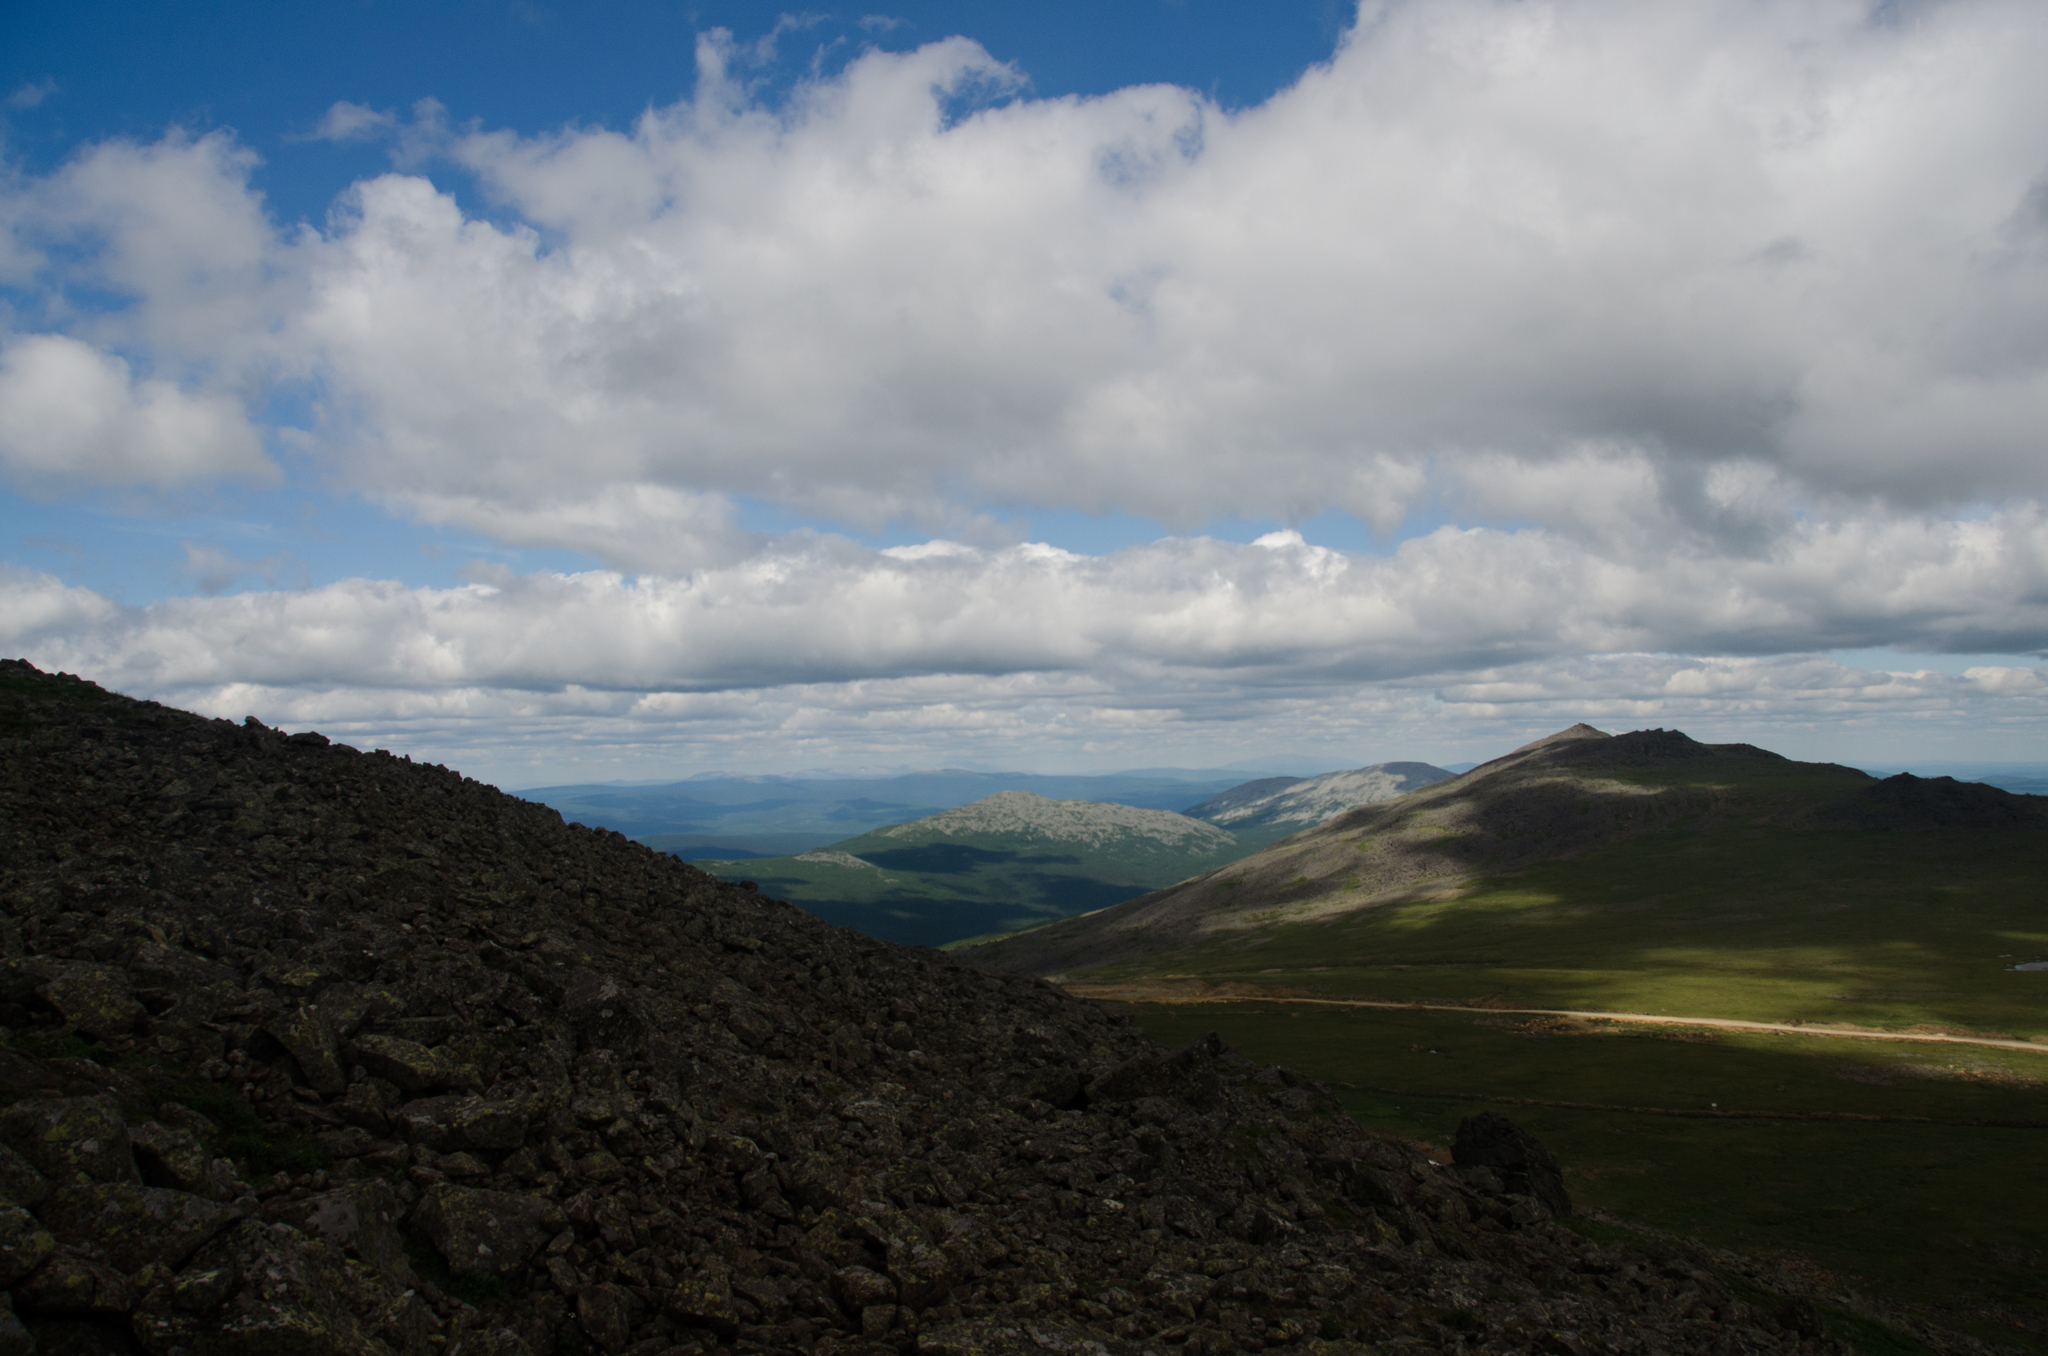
[72, 417]
[31, 95]
[345, 121]
[1185, 614]
[1483, 236]
[1690, 320]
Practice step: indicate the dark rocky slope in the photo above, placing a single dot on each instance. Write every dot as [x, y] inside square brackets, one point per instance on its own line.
[316, 1051]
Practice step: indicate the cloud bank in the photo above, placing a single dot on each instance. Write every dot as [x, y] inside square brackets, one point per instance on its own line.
[1698, 323]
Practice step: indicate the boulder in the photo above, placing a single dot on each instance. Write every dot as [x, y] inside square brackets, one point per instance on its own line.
[289, 1293]
[603, 1014]
[96, 1000]
[169, 1156]
[411, 1066]
[71, 1139]
[130, 1227]
[308, 1038]
[606, 1314]
[704, 1300]
[361, 1219]
[450, 1124]
[480, 1232]
[24, 1244]
[69, 1284]
[1518, 1158]
[1184, 1074]
[19, 1180]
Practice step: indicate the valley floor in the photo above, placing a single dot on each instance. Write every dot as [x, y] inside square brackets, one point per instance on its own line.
[1168, 992]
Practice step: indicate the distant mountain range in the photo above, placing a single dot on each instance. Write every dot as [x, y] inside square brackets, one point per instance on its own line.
[1008, 861]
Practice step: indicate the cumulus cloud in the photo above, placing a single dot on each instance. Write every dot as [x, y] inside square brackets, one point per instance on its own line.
[1730, 235]
[1713, 236]
[345, 121]
[1690, 320]
[1276, 613]
[71, 417]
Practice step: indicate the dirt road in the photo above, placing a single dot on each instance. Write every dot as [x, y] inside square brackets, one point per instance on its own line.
[1142, 995]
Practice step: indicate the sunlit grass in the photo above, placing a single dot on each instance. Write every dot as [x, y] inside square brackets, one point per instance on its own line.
[1868, 929]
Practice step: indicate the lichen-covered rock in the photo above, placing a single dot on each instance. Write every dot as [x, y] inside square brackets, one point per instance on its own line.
[704, 1300]
[24, 1244]
[130, 1227]
[605, 1313]
[19, 1180]
[361, 1218]
[95, 1000]
[411, 1066]
[70, 1139]
[69, 1284]
[451, 1124]
[294, 1294]
[168, 1155]
[308, 1038]
[480, 1232]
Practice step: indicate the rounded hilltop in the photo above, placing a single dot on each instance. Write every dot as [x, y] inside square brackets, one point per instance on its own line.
[1088, 822]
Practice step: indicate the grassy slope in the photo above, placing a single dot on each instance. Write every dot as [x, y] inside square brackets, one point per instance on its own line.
[1867, 927]
[1941, 1213]
[1576, 792]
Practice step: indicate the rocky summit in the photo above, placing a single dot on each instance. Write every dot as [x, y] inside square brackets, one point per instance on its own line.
[317, 1051]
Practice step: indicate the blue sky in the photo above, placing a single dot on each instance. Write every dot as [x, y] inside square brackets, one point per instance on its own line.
[637, 389]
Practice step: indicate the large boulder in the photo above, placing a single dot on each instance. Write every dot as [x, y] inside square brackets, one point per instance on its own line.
[129, 1227]
[24, 1244]
[360, 1218]
[19, 1180]
[411, 1066]
[308, 1038]
[483, 1232]
[71, 1139]
[1518, 1158]
[1185, 1074]
[96, 1000]
[258, 1290]
[452, 1124]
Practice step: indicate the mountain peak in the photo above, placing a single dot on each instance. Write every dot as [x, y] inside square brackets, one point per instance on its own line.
[1567, 736]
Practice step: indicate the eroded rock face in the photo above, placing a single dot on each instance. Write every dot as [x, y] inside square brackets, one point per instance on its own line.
[572, 1095]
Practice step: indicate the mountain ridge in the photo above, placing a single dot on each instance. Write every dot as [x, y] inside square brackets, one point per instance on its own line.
[1568, 792]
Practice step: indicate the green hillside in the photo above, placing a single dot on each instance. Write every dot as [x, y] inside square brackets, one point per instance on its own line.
[1008, 861]
[1644, 873]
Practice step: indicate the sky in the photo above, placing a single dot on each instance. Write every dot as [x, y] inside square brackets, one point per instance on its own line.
[634, 390]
